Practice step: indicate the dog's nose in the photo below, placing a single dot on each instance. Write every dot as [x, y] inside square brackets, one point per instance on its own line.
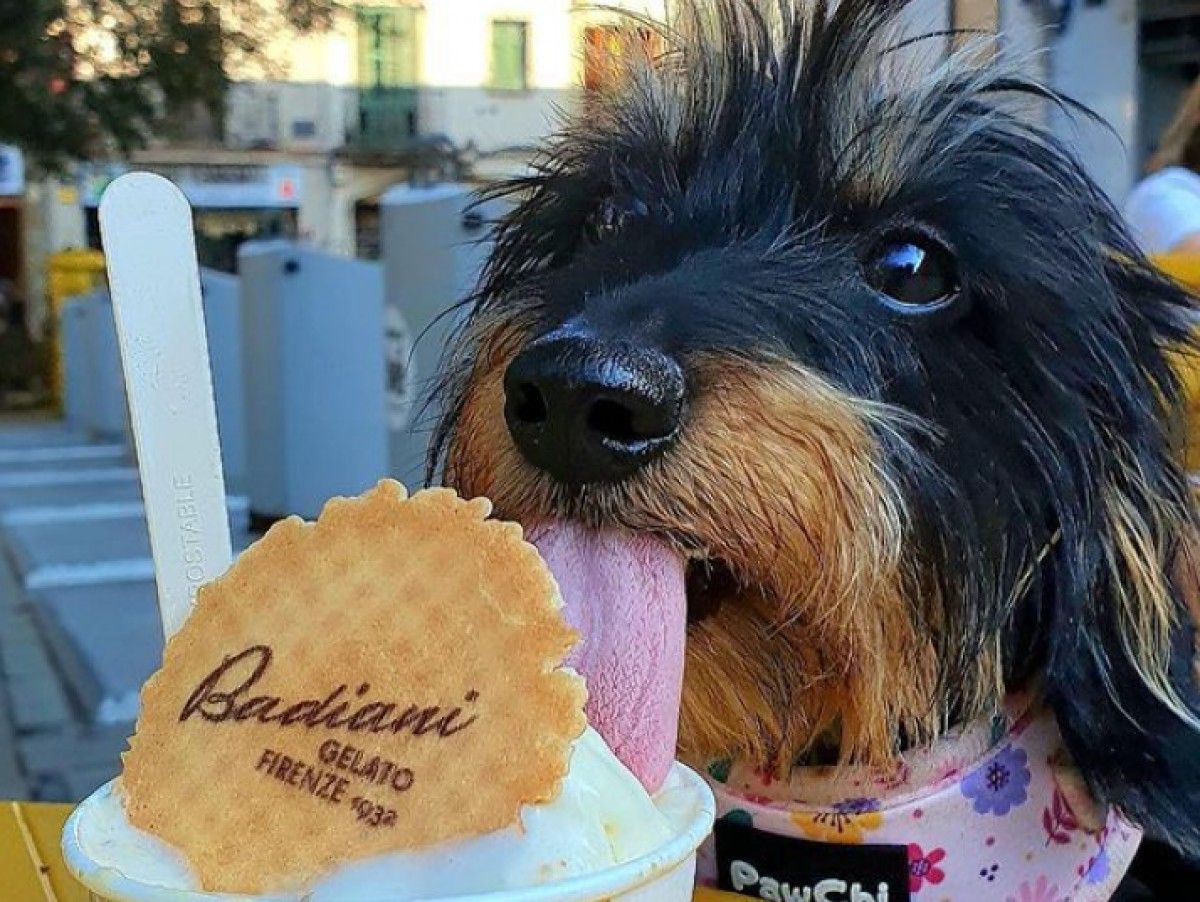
[589, 411]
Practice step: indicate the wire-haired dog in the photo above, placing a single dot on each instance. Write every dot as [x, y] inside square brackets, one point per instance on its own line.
[878, 356]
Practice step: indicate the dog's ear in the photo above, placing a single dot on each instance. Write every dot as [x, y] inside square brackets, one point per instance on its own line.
[1125, 590]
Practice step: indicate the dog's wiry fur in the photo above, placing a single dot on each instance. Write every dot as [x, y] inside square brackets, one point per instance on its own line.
[911, 514]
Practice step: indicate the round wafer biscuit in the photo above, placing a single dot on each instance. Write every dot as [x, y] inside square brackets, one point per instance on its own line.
[383, 679]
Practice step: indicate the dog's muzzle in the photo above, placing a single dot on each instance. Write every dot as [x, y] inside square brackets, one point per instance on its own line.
[587, 409]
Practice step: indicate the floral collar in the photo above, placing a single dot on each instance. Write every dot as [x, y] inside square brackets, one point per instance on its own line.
[994, 811]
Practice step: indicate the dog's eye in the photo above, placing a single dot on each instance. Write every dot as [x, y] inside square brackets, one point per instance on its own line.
[612, 216]
[914, 272]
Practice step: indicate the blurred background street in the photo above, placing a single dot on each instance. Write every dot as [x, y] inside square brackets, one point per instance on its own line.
[330, 151]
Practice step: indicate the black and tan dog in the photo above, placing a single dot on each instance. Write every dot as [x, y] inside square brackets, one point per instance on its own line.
[881, 359]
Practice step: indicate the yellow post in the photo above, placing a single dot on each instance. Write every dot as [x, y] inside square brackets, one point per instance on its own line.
[1185, 269]
[68, 274]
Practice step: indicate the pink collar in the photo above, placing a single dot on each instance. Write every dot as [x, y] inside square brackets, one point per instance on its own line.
[994, 811]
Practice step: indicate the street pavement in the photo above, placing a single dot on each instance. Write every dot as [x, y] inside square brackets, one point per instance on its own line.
[79, 625]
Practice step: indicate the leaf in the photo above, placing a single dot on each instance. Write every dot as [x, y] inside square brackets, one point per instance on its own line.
[1068, 820]
[1051, 826]
[1064, 815]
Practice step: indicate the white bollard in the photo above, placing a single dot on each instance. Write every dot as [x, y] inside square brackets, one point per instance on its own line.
[434, 242]
[313, 332]
[222, 295]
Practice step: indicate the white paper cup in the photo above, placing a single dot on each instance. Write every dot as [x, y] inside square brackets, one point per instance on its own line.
[667, 874]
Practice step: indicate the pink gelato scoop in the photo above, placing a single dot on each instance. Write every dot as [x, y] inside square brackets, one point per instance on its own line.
[625, 593]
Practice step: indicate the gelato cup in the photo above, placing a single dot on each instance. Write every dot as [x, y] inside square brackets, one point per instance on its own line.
[665, 874]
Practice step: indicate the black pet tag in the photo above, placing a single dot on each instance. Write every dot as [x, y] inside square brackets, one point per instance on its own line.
[786, 869]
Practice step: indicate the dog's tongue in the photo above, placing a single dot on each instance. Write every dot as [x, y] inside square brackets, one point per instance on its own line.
[625, 594]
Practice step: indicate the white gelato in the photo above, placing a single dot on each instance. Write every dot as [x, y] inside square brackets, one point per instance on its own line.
[602, 817]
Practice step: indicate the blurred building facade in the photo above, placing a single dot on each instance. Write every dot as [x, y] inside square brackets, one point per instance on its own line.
[396, 91]
[383, 97]
[398, 83]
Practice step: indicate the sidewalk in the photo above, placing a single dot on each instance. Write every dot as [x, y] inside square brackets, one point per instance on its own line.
[79, 626]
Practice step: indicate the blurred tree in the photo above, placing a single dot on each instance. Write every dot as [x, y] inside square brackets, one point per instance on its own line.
[77, 76]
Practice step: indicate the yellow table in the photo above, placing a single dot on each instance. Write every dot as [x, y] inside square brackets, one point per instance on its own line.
[31, 869]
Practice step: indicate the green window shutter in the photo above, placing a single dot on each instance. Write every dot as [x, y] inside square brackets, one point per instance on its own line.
[387, 46]
[510, 61]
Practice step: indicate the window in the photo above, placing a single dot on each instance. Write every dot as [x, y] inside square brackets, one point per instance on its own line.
[388, 75]
[304, 128]
[981, 14]
[387, 46]
[510, 55]
[969, 18]
[605, 47]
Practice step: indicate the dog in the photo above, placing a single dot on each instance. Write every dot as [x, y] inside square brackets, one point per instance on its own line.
[839, 321]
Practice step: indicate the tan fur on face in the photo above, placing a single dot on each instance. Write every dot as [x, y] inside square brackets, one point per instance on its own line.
[1185, 572]
[777, 475]
[1145, 590]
